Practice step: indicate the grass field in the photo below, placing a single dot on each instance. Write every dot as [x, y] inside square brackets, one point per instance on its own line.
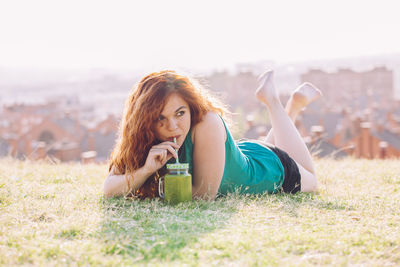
[56, 215]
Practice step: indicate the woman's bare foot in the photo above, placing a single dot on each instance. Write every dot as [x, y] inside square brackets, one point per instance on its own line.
[305, 94]
[266, 92]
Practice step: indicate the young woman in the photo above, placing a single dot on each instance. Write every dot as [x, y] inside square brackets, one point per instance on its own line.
[167, 105]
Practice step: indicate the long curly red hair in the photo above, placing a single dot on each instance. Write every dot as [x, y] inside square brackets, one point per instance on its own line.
[142, 109]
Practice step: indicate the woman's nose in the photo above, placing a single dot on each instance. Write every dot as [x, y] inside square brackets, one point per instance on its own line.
[172, 125]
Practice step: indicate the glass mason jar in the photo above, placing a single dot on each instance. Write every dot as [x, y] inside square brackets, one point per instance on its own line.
[176, 186]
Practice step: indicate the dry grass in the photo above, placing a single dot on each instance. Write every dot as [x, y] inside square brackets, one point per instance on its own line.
[55, 215]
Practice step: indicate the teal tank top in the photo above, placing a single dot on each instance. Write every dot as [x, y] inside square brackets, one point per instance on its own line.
[250, 167]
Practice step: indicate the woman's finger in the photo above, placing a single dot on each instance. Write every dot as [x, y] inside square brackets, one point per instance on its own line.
[156, 153]
[159, 154]
[164, 145]
[167, 147]
[176, 146]
[164, 156]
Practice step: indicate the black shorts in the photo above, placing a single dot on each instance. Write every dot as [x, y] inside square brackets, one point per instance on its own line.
[292, 181]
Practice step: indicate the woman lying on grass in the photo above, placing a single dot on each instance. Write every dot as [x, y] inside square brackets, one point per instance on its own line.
[167, 105]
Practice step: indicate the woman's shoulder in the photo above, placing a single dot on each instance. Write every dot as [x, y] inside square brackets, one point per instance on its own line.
[210, 121]
[210, 124]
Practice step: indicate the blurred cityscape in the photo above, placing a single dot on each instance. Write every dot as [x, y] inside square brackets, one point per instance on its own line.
[65, 117]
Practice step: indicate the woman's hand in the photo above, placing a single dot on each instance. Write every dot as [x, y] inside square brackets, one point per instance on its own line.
[159, 155]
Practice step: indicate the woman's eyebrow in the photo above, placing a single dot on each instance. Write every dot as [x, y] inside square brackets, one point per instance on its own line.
[181, 107]
[177, 110]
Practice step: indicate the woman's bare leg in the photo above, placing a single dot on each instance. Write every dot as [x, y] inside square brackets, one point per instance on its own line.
[305, 94]
[286, 135]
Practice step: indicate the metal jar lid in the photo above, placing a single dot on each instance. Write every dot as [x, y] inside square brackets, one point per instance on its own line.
[178, 166]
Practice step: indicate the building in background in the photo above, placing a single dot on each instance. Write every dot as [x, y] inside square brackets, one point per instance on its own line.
[48, 130]
[358, 115]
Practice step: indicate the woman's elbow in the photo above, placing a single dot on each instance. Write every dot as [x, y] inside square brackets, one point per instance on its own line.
[107, 188]
[204, 194]
[106, 191]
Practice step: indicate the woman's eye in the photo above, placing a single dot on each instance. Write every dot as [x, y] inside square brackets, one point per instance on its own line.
[180, 113]
[161, 118]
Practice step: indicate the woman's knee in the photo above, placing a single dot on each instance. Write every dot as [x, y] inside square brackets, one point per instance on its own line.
[308, 180]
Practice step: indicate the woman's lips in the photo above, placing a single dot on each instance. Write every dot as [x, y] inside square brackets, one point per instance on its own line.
[172, 138]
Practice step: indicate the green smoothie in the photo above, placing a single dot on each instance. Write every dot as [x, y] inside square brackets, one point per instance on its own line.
[177, 183]
[177, 188]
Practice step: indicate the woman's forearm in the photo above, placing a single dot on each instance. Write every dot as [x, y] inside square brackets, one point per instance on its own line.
[116, 185]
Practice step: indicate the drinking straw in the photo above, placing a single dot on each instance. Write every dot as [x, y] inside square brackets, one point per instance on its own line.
[177, 159]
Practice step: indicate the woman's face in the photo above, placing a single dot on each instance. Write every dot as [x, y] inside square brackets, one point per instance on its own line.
[174, 120]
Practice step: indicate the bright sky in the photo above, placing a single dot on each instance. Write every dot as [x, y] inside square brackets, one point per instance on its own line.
[191, 34]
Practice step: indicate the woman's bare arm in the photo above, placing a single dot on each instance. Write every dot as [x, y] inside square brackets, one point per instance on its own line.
[208, 156]
[116, 185]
